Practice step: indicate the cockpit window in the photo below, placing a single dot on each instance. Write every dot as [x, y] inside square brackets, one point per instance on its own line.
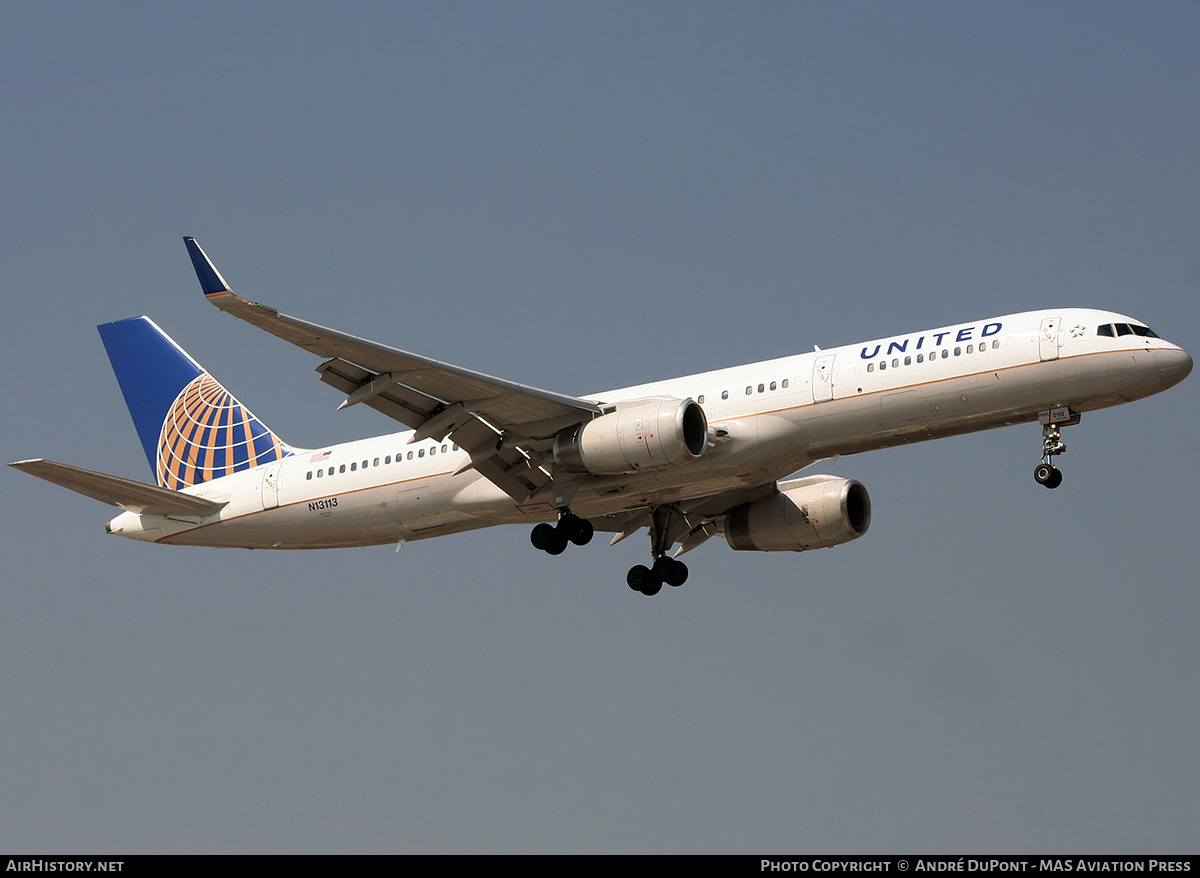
[1125, 329]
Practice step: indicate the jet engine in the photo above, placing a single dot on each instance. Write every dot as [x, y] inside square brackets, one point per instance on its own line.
[640, 438]
[809, 513]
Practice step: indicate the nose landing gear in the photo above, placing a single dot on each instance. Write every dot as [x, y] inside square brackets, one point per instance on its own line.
[1053, 420]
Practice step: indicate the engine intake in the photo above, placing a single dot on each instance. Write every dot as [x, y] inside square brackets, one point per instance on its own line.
[809, 513]
[637, 439]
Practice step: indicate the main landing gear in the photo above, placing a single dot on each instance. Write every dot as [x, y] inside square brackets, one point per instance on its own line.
[1053, 420]
[666, 523]
[649, 580]
[552, 539]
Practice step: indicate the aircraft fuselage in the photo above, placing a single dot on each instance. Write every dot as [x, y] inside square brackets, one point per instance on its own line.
[766, 420]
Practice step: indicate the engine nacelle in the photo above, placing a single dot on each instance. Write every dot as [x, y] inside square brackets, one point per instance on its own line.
[809, 513]
[637, 439]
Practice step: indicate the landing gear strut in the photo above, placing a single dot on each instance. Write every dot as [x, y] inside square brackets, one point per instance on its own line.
[552, 539]
[1053, 420]
[649, 580]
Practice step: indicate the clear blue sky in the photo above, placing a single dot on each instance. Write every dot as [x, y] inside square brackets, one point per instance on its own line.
[579, 196]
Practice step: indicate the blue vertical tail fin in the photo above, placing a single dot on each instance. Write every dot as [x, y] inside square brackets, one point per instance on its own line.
[192, 429]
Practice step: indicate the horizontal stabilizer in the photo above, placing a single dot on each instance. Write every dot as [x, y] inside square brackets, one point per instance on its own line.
[117, 491]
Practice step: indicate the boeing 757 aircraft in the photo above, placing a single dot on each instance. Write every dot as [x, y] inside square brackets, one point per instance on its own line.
[687, 459]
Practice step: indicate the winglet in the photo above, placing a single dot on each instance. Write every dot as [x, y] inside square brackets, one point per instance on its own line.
[210, 279]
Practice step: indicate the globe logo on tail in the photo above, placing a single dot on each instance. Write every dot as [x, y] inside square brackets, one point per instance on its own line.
[208, 434]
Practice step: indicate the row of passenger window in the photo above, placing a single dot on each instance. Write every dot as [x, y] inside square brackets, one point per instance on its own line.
[920, 358]
[762, 388]
[895, 364]
[353, 466]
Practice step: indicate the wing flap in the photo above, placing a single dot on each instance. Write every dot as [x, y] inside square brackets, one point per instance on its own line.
[116, 491]
[513, 473]
[410, 407]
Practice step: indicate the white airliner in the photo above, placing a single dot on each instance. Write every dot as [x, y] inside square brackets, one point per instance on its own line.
[687, 458]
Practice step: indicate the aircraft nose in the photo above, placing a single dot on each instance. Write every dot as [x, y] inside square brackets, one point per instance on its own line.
[1173, 366]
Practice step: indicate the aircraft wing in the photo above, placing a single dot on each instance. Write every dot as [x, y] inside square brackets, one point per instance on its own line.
[494, 420]
[124, 493]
